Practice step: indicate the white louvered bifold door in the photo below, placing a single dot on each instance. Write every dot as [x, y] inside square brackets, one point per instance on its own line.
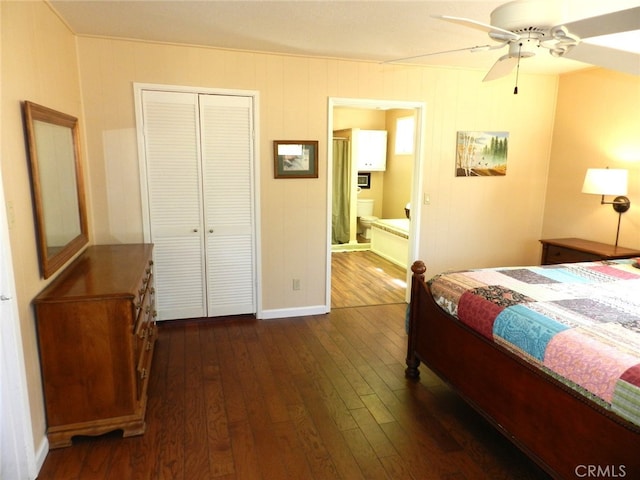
[171, 136]
[227, 162]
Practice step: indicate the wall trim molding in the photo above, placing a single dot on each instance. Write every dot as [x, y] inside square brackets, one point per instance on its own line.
[293, 312]
[41, 452]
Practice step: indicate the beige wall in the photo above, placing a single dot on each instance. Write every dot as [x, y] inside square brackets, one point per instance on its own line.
[399, 174]
[470, 222]
[39, 63]
[597, 125]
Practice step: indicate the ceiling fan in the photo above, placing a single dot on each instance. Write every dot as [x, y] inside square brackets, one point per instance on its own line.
[525, 26]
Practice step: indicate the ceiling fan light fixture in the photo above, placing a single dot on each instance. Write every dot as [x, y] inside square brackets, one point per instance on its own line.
[521, 49]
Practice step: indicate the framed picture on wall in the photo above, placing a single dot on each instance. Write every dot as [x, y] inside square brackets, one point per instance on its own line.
[295, 158]
[481, 154]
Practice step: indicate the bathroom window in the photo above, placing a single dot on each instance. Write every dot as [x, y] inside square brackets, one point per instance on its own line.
[405, 128]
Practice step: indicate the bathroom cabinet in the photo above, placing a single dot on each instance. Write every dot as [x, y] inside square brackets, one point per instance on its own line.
[370, 150]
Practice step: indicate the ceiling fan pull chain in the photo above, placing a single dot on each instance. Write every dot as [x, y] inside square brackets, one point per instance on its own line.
[515, 90]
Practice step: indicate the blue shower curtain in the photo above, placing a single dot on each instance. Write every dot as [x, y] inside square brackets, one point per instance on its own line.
[341, 204]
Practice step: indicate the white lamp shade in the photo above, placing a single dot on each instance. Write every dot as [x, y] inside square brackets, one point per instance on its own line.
[605, 181]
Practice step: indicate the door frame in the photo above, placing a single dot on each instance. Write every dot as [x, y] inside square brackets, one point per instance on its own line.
[416, 188]
[18, 457]
[138, 88]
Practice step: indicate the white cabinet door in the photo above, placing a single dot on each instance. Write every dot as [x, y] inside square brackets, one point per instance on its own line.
[226, 126]
[199, 161]
[174, 202]
[370, 150]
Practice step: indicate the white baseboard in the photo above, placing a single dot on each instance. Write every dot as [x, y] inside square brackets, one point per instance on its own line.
[293, 312]
[350, 247]
[41, 455]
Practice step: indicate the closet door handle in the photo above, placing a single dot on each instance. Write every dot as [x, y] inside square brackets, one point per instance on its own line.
[211, 230]
[195, 230]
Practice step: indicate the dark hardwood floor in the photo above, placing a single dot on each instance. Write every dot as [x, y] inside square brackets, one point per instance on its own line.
[361, 278]
[319, 397]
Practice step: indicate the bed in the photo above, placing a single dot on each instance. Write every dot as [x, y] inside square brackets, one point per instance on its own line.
[549, 355]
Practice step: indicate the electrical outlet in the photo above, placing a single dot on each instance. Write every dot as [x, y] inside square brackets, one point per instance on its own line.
[296, 284]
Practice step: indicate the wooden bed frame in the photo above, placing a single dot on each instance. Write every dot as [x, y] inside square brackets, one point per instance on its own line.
[563, 432]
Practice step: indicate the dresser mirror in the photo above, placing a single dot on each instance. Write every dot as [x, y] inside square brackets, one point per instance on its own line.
[57, 185]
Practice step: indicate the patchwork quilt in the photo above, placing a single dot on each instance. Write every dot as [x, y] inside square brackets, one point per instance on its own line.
[580, 322]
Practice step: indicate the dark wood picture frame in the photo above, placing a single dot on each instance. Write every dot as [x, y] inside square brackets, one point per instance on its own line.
[57, 183]
[295, 159]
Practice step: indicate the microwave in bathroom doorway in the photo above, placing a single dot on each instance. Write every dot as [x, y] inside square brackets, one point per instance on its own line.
[364, 180]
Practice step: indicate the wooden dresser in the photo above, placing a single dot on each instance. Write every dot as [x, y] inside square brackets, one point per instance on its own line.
[96, 332]
[571, 250]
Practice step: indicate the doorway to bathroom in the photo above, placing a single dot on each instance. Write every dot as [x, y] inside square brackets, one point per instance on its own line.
[370, 235]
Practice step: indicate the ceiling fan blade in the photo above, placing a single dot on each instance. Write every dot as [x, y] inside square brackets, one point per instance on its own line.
[615, 22]
[501, 68]
[498, 33]
[619, 60]
[476, 48]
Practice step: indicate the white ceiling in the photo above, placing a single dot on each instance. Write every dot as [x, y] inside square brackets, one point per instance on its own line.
[364, 30]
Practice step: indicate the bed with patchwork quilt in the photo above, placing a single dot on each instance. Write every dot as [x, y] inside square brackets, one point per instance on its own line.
[549, 354]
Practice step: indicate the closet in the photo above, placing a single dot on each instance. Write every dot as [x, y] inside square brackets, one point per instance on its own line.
[197, 182]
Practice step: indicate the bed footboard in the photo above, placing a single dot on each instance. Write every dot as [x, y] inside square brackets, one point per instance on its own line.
[417, 287]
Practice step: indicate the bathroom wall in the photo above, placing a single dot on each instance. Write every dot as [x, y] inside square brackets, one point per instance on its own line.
[399, 173]
[391, 189]
[365, 119]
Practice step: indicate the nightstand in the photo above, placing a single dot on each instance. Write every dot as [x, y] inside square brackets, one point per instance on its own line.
[571, 250]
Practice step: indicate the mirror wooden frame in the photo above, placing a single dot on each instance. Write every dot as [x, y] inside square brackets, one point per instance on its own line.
[52, 257]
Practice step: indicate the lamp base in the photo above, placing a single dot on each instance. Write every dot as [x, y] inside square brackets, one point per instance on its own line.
[621, 204]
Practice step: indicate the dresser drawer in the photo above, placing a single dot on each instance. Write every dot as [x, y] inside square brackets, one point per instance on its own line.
[142, 324]
[144, 364]
[143, 302]
[144, 287]
[555, 254]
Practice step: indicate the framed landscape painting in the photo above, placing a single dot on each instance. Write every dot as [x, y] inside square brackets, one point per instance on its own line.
[481, 154]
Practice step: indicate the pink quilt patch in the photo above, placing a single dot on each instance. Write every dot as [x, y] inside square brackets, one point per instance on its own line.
[615, 272]
[587, 361]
